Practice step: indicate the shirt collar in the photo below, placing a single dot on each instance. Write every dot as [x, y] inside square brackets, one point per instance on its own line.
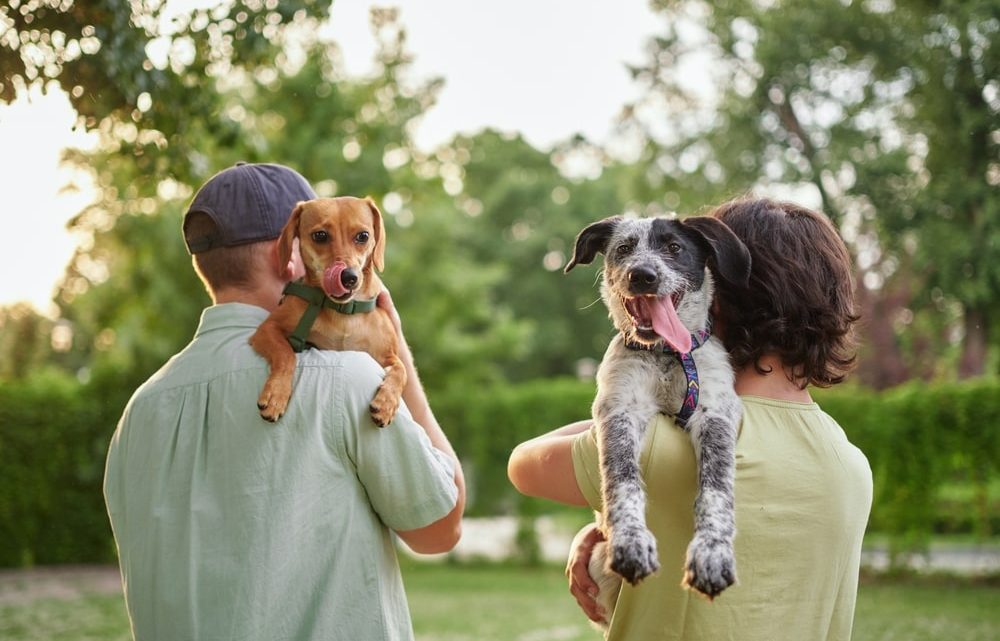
[230, 316]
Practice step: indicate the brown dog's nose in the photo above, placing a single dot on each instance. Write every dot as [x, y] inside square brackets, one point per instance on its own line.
[349, 278]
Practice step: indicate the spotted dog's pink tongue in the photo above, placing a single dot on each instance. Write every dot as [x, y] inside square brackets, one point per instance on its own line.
[665, 321]
[331, 280]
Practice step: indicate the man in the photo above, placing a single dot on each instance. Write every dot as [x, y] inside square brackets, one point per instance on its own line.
[803, 491]
[229, 527]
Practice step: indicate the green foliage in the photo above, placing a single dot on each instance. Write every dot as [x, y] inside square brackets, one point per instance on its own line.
[484, 425]
[918, 439]
[100, 53]
[52, 447]
[24, 340]
[887, 111]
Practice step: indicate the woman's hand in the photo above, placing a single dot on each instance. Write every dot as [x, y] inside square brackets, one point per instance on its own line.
[581, 584]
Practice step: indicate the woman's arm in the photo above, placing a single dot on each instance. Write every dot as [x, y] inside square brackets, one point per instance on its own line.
[543, 466]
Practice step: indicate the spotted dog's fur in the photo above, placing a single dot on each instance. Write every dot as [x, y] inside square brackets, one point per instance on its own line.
[655, 258]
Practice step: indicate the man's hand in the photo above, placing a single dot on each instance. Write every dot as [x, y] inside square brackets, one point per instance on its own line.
[384, 301]
[581, 585]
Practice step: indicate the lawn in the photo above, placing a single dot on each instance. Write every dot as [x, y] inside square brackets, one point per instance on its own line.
[504, 603]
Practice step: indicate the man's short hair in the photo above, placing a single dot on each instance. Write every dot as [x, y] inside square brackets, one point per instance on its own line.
[800, 303]
[221, 268]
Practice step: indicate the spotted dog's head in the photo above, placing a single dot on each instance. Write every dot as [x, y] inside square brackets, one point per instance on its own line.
[658, 273]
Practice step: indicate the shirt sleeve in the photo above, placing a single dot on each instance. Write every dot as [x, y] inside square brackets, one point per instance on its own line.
[586, 466]
[409, 482]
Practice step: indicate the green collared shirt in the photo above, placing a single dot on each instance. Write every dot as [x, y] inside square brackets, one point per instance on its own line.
[230, 527]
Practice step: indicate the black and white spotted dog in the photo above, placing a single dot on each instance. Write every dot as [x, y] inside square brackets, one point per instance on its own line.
[658, 287]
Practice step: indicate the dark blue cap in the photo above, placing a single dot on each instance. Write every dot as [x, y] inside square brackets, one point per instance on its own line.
[249, 203]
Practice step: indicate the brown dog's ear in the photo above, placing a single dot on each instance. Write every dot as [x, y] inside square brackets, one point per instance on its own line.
[288, 235]
[593, 239]
[378, 255]
[730, 257]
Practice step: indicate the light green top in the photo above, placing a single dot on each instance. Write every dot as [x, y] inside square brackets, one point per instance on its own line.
[803, 494]
[230, 527]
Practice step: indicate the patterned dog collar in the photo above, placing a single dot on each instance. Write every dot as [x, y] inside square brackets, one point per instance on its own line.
[690, 370]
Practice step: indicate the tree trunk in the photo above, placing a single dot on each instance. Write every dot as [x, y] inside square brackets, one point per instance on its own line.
[881, 365]
[973, 361]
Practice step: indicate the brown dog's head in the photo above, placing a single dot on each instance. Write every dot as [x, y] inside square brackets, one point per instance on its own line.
[341, 240]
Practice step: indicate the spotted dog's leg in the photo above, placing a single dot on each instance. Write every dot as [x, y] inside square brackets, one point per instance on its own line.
[710, 567]
[621, 427]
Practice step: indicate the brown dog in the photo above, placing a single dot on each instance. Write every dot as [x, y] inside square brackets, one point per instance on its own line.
[342, 242]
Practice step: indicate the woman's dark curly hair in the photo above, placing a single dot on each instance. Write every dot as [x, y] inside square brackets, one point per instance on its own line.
[799, 304]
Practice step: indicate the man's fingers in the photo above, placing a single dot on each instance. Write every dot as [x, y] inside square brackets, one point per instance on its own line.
[384, 300]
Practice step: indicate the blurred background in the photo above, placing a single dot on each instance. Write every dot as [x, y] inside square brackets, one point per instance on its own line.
[490, 135]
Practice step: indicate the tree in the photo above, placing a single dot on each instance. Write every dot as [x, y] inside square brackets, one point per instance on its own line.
[886, 111]
[130, 294]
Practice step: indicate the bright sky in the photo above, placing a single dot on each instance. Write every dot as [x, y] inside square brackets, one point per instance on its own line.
[545, 68]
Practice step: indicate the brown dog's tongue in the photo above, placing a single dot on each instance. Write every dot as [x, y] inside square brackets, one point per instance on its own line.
[666, 323]
[331, 280]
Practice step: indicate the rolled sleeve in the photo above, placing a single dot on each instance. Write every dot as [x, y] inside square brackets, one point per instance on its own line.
[410, 483]
[586, 467]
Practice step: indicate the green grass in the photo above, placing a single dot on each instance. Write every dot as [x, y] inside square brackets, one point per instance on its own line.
[505, 603]
[91, 617]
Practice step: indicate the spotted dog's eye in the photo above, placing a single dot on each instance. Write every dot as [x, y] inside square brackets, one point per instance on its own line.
[624, 249]
[321, 236]
[674, 248]
[361, 238]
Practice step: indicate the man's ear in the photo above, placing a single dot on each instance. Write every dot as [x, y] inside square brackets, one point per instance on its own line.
[593, 239]
[286, 240]
[730, 258]
[378, 255]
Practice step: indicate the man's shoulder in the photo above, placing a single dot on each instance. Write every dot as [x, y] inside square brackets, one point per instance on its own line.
[359, 374]
[360, 363]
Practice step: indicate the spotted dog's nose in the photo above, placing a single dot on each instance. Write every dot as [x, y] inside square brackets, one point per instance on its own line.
[641, 280]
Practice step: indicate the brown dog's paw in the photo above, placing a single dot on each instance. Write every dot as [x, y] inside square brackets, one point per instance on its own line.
[383, 407]
[273, 400]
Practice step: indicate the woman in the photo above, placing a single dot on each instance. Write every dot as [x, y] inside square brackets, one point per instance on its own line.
[803, 492]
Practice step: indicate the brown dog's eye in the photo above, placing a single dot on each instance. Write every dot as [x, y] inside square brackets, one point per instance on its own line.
[320, 236]
[361, 238]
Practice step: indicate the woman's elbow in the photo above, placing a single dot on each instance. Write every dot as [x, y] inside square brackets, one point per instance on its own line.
[521, 471]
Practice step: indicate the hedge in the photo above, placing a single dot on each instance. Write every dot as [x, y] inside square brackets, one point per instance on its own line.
[920, 440]
[52, 447]
[933, 450]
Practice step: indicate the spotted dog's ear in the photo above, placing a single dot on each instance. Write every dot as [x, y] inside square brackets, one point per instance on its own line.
[592, 240]
[730, 257]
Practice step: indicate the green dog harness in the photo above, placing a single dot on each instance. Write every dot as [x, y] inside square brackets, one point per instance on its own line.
[318, 300]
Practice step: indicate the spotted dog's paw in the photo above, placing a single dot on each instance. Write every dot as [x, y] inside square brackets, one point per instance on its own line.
[633, 553]
[710, 567]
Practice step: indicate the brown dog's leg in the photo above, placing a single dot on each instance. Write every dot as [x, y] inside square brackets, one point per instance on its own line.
[270, 342]
[386, 401]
